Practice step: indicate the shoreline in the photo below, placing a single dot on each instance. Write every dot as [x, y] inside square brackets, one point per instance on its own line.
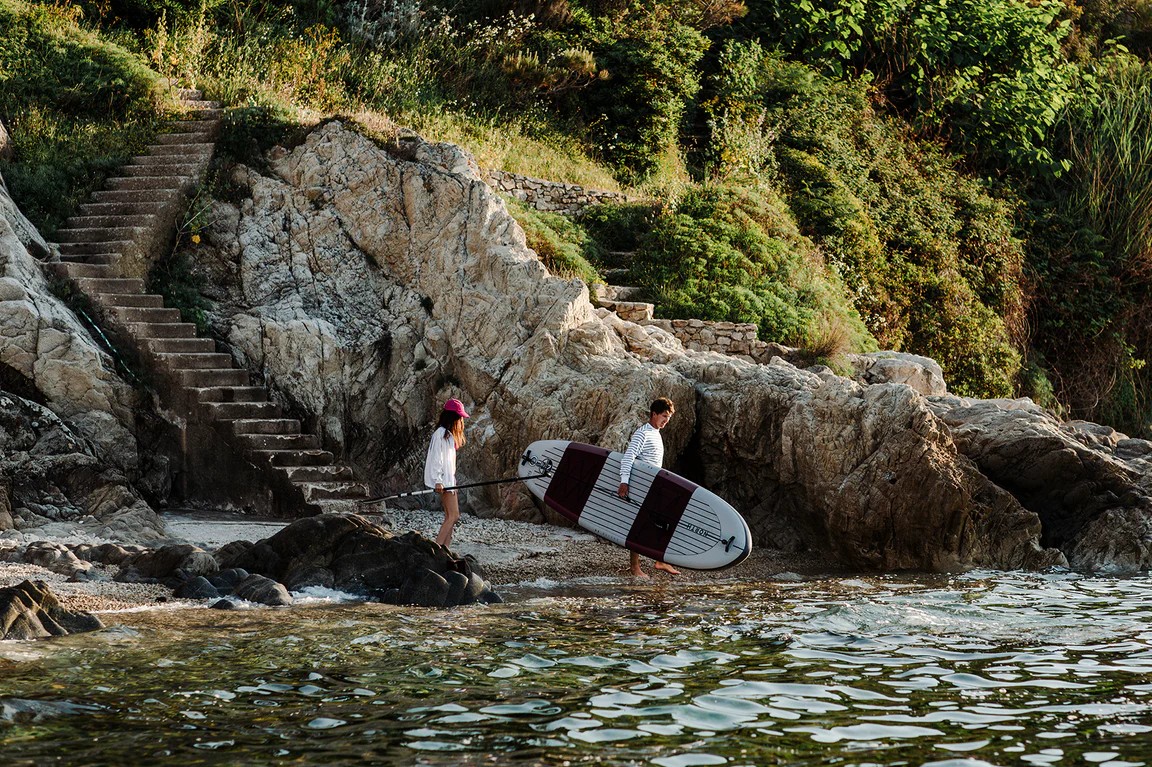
[510, 554]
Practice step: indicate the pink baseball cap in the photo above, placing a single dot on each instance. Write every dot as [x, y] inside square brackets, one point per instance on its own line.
[456, 406]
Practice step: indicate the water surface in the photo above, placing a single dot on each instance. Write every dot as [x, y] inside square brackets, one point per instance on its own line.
[1002, 669]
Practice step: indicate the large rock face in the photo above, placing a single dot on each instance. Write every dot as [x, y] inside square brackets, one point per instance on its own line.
[1090, 486]
[369, 284]
[368, 287]
[52, 480]
[47, 355]
[68, 453]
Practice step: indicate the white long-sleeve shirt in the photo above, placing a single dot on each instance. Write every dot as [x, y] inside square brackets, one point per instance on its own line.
[646, 445]
[440, 465]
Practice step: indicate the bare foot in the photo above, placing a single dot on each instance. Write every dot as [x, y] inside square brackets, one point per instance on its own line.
[666, 568]
[638, 573]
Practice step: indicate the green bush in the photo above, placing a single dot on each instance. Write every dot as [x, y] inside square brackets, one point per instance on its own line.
[989, 74]
[618, 226]
[732, 253]
[890, 215]
[1091, 251]
[561, 243]
[76, 108]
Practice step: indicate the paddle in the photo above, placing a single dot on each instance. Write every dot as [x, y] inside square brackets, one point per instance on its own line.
[454, 487]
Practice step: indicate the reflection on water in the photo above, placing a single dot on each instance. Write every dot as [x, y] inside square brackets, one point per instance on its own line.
[957, 672]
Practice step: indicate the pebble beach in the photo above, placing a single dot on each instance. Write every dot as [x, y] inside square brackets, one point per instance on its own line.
[509, 553]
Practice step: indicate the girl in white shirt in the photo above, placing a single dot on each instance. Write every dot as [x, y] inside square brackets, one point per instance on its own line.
[440, 465]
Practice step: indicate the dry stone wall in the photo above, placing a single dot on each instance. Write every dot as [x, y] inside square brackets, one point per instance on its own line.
[550, 196]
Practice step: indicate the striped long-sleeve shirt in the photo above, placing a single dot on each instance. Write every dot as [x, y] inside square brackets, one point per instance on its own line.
[646, 445]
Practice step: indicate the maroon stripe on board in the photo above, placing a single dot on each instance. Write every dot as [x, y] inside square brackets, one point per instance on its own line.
[574, 478]
[659, 514]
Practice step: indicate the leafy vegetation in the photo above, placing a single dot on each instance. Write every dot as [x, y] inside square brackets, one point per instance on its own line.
[564, 245]
[75, 107]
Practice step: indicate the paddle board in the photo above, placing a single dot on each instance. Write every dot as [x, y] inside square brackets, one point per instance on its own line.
[665, 517]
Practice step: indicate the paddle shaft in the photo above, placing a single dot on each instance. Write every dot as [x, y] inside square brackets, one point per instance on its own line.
[454, 487]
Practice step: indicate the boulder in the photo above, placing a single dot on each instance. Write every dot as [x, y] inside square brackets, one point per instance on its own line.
[921, 373]
[1088, 485]
[57, 558]
[196, 588]
[29, 610]
[167, 562]
[51, 474]
[349, 553]
[425, 588]
[44, 347]
[227, 580]
[261, 590]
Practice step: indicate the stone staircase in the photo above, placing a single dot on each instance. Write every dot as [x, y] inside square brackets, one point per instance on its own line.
[618, 298]
[615, 298]
[237, 448]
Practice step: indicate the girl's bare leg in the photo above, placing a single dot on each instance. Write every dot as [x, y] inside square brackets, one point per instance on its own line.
[451, 503]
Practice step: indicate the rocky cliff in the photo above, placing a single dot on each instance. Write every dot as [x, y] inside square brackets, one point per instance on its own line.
[68, 422]
[367, 283]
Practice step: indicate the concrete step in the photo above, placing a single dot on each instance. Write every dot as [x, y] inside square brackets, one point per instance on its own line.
[265, 425]
[189, 94]
[200, 361]
[184, 137]
[330, 473]
[146, 330]
[94, 285]
[131, 315]
[231, 394]
[198, 379]
[160, 160]
[294, 457]
[178, 345]
[76, 271]
[167, 181]
[193, 125]
[197, 106]
[147, 206]
[183, 169]
[138, 300]
[203, 149]
[111, 259]
[153, 197]
[134, 221]
[100, 234]
[242, 411]
[279, 441]
[93, 248]
[322, 491]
